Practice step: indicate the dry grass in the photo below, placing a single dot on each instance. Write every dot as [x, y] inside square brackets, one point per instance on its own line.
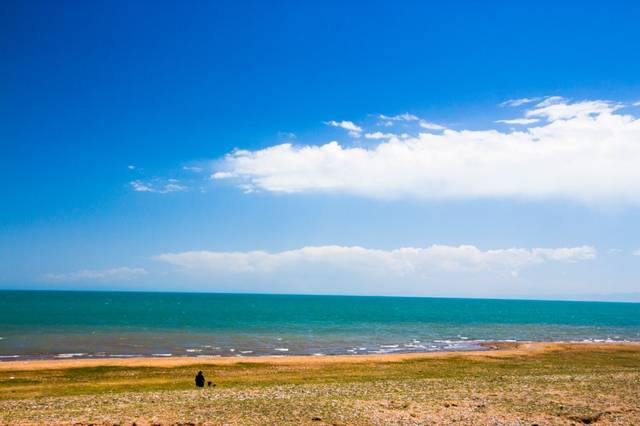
[562, 384]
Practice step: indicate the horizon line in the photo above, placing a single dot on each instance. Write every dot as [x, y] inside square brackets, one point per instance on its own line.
[506, 298]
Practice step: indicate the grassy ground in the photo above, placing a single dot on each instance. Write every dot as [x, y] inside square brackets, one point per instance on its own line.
[565, 384]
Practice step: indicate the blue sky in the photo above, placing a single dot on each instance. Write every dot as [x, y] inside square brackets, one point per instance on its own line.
[163, 146]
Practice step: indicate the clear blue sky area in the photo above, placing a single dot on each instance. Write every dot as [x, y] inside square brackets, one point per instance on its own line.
[115, 115]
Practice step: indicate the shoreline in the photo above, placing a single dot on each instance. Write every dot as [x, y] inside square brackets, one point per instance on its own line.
[493, 350]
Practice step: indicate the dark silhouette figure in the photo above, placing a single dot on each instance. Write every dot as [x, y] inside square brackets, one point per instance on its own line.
[200, 379]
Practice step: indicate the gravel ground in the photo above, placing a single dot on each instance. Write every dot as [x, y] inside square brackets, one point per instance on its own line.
[509, 401]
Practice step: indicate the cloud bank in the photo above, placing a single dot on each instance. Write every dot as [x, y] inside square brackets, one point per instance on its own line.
[587, 151]
[407, 262]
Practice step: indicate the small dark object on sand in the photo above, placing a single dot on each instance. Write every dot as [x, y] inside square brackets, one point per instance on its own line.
[200, 379]
[587, 419]
[210, 384]
[316, 419]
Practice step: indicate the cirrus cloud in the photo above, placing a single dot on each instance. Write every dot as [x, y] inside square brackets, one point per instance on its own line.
[157, 186]
[353, 129]
[519, 102]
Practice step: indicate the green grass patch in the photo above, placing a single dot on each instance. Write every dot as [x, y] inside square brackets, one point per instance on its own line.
[110, 379]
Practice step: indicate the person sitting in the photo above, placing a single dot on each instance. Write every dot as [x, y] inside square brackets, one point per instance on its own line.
[200, 379]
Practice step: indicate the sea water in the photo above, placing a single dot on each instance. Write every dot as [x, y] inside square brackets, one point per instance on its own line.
[57, 324]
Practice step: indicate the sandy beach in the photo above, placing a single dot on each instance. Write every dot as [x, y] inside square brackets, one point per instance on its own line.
[511, 383]
[493, 349]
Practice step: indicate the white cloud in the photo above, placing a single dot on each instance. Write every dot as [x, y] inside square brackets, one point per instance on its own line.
[222, 175]
[140, 186]
[406, 262]
[387, 121]
[431, 126]
[636, 252]
[353, 129]
[122, 273]
[158, 187]
[401, 117]
[380, 135]
[560, 110]
[519, 102]
[437, 270]
[587, 151]
[131, 167]
[522, 121]
[550, 100]
[636, 103]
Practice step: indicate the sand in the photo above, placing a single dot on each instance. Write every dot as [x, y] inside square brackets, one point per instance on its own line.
[495, 349]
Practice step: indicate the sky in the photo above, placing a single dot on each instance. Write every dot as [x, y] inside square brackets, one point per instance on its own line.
[466, 149]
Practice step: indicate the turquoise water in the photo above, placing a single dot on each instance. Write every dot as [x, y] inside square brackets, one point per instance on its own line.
[39, 324]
